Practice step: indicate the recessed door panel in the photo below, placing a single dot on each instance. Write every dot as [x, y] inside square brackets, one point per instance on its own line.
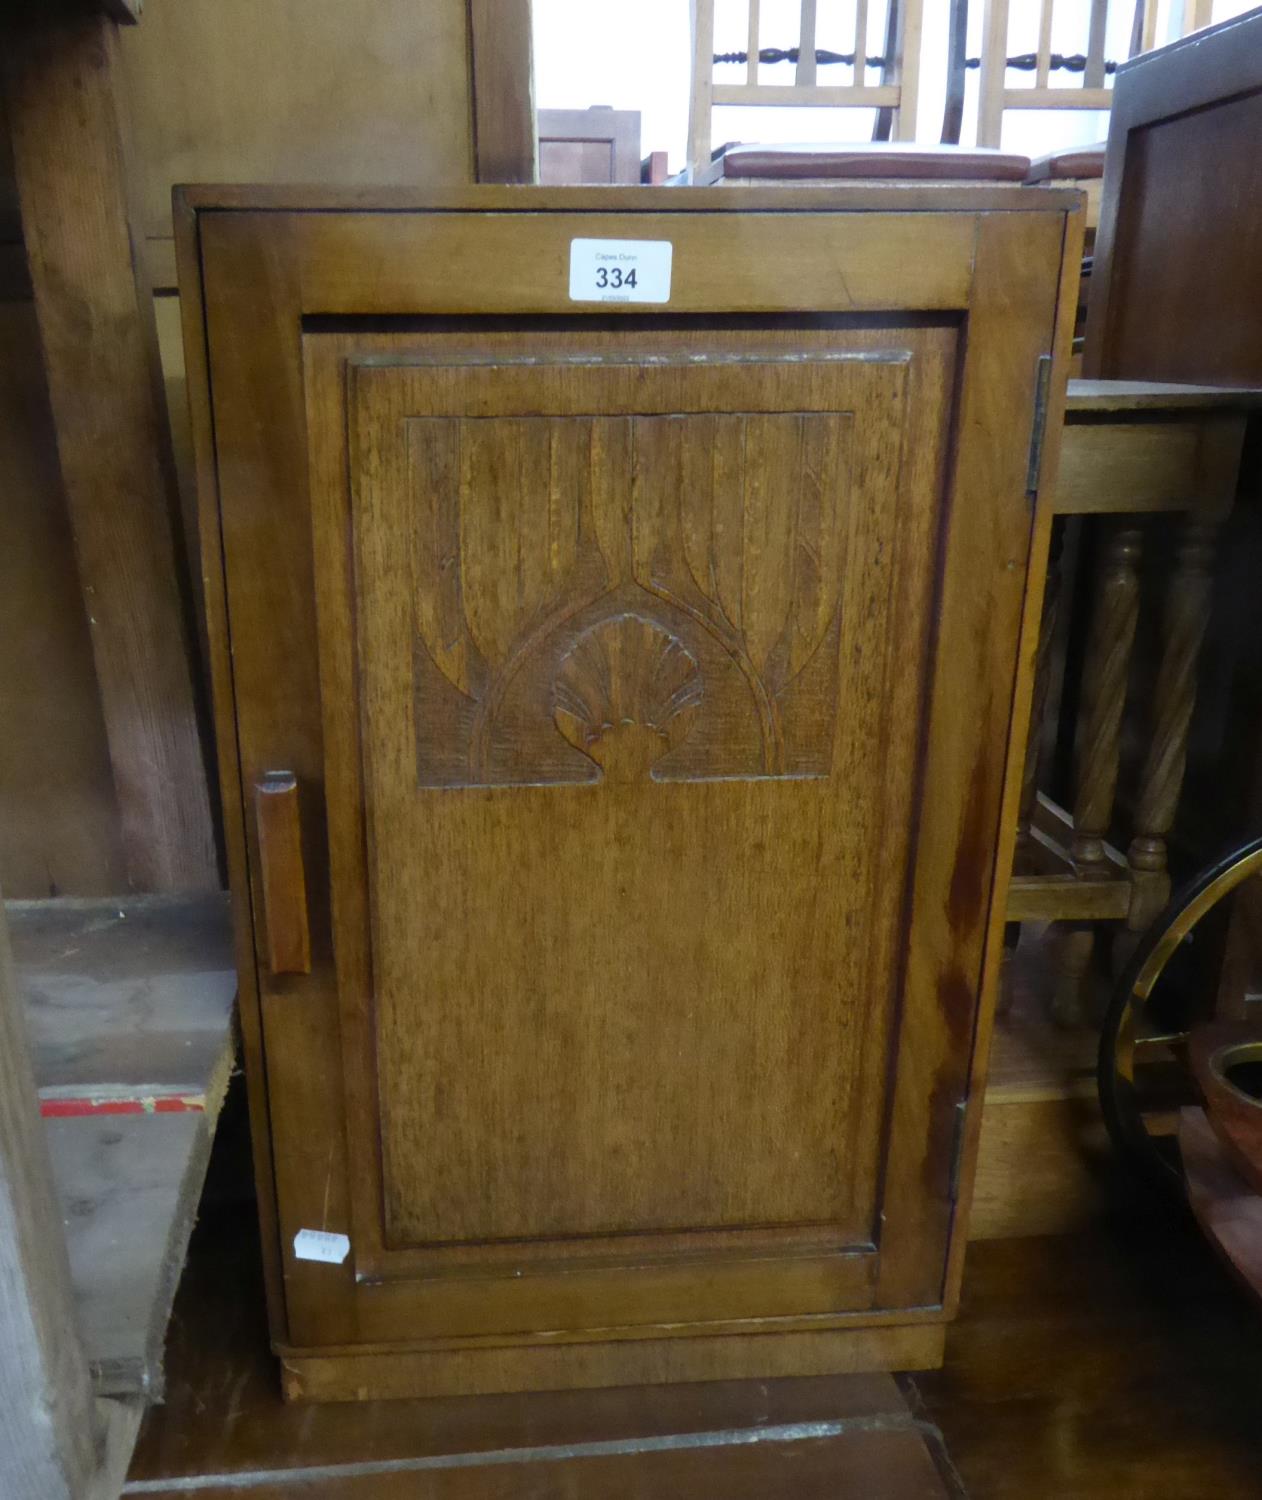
[629, 630]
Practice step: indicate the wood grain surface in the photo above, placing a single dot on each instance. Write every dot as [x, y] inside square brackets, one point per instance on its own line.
[689, 658]
[624, 950]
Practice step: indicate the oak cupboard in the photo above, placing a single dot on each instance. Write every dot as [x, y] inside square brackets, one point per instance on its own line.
[614, 703]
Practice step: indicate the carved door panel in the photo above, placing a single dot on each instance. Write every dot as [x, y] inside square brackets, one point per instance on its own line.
[641, 643]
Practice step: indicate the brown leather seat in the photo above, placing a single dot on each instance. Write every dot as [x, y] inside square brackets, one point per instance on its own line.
[887, 161]
[1081, 164]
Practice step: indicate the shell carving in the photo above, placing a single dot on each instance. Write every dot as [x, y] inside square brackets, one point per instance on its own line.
[627, 692]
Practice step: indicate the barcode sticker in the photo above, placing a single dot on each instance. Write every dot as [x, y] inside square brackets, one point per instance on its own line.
[319, 1244]
[620, 270]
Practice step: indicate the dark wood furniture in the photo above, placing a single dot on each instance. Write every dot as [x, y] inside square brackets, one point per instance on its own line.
[94, 1218]
[597, 146]
[645, 674]
[1175, 290]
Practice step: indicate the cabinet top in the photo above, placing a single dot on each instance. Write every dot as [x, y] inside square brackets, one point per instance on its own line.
[868, 197]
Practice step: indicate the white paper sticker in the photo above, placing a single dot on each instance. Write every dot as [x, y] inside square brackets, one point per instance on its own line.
[319, 1244]
[620, 270]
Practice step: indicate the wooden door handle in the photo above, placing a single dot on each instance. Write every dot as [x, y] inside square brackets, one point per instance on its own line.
[282, 876]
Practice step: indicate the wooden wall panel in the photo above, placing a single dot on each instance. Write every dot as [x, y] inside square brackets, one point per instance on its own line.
[100, 354]
[59, 830]
[348, 95]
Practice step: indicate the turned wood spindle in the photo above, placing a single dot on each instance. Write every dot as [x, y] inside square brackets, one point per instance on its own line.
[1105, 672]
[1161, 782]
[1106, 669]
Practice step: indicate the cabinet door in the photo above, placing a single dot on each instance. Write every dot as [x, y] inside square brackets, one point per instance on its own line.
[622, 811]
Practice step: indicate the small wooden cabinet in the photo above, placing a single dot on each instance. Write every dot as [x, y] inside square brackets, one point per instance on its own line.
[613, 701]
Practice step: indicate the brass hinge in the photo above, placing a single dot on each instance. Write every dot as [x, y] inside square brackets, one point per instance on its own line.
[1038, 430]
[957, 1148]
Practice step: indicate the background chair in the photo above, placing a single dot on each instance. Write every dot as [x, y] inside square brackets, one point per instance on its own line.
[1092, 68]
[894, 97]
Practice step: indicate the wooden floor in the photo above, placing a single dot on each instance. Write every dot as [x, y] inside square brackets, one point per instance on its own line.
[1120, 1363]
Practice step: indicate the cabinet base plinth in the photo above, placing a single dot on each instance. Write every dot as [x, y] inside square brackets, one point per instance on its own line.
[484, 1371]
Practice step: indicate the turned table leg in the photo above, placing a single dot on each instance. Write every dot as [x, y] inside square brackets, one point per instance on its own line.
[1110, 640]
[1161, 781]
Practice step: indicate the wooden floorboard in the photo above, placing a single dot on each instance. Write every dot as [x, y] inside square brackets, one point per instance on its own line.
[865, 1465]
[1121, 1362]
[224, 1429]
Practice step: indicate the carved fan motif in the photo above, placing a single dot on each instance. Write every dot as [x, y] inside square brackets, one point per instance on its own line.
[729, 529]
[627, 692]
[740, 522]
